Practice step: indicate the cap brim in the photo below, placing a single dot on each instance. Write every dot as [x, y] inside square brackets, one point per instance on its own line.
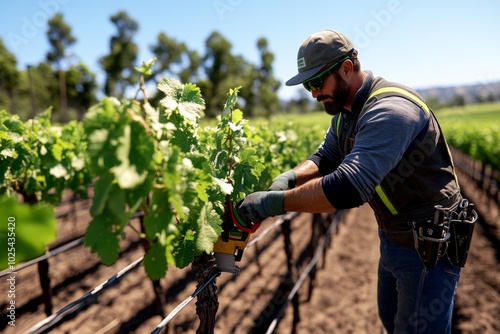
[303, 76]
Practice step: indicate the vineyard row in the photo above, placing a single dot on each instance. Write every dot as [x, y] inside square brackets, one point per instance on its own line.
[322, 228]
[484, 175]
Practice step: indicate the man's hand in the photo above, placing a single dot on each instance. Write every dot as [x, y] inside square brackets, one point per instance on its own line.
[284, 181]
[262, 204]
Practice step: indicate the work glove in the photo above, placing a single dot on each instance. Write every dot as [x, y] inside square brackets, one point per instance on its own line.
[258, 206]
[284, 181]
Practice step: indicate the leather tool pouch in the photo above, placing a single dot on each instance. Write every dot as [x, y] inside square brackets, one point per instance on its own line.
[449, 233]
[461, 228]
[431, 238]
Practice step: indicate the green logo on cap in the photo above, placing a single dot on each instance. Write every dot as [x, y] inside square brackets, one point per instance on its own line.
[301, 63]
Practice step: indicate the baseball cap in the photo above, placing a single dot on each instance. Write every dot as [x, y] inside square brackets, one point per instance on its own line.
[318, 50]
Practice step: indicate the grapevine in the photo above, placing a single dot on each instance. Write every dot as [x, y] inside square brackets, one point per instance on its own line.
[159, 160]
[38, 162]
[474, 130]
[482, 144]
[154, 159]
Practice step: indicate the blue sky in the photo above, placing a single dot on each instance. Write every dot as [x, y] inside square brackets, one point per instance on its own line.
[419, 43]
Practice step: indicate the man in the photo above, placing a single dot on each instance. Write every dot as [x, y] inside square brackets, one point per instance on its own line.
[384, 146]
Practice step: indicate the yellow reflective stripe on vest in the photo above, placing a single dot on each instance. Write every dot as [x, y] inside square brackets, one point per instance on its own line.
[385, 200]
[338, 123]
[378, 189]
[403, 92]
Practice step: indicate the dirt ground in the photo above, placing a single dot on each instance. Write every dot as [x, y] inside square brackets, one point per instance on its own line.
[343, 299]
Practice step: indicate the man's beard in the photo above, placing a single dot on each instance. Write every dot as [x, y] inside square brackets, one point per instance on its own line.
[339, 96]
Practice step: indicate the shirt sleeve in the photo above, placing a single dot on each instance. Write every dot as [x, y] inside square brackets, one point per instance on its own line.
[385, 132]
[327, 157]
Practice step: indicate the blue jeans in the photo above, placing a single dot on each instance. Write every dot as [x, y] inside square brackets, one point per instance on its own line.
[412, 298]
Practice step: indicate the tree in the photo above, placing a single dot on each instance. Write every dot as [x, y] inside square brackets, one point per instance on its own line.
[249, 89]
[119, 64]
[168, 52]
[81, 89]
[9, 75]
[459, 100]
[268, 84]
[223, 71]
[60, 38]
[191, 72]
[46, 86]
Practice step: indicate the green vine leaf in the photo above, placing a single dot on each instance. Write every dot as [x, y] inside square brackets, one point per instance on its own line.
[184, 99]
[146, 67]
[185, 250]
[155, 261]
[209, 229]
[102, 237]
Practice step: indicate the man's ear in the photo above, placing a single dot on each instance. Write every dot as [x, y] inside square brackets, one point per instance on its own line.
[346, 70]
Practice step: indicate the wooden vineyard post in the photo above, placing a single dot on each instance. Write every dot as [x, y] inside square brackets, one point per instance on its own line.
[292, 272]
[43, 266]
[207, 303]
[317, 232]
[320, 225]
[43, 274]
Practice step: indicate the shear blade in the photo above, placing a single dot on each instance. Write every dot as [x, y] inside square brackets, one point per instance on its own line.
[226, 263]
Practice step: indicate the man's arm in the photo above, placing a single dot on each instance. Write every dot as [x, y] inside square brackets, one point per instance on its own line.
[302, 173]
[306, 171]
[308, 197]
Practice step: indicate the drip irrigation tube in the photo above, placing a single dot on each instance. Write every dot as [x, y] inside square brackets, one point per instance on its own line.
[82, 302]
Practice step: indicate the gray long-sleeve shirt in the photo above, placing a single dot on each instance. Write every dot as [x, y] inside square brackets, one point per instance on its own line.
[384, 132]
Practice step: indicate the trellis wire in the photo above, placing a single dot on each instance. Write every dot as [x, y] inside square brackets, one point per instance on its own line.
[271, 227]
[305, 273]
[83, 301]
[61, 249]
[70, 245]
[91, 296]
[186, 301]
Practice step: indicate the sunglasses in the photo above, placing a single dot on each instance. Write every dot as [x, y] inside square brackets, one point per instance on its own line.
[316, 82]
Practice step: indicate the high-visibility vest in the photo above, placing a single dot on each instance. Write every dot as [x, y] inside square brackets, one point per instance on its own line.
[424, 177]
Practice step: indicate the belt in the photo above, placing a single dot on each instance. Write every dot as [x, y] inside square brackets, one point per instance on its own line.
[400, 233]
[401, 230]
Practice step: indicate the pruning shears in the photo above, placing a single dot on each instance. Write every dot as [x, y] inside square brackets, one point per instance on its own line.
[230, 246]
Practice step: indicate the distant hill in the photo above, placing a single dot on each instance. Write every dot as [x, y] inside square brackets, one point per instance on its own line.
[471, 93]
[436, 97]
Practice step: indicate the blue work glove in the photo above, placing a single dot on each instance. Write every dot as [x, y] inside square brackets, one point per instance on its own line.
[262, 204]
[284, 181]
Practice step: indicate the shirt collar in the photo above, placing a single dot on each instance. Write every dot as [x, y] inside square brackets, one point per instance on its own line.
[362, 93]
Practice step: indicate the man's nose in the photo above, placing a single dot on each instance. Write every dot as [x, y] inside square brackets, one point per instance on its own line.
[315, 93]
